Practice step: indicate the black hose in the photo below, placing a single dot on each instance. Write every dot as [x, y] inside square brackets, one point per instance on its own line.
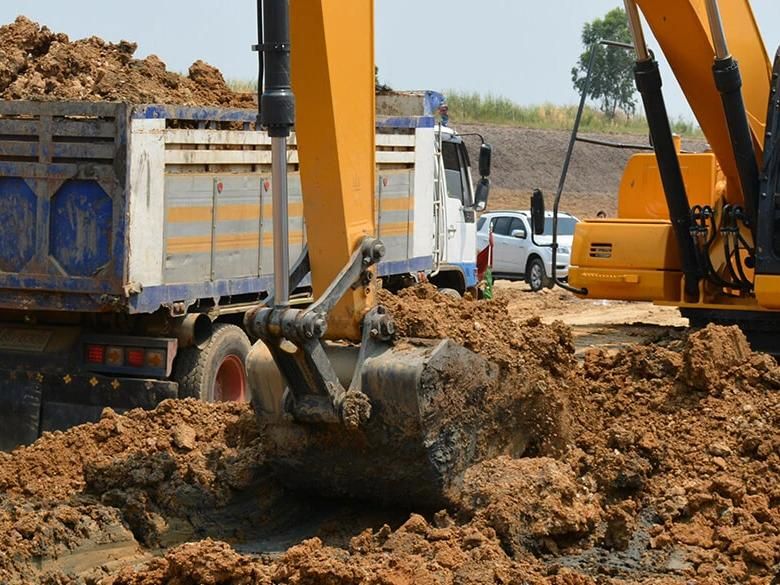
[277, 103]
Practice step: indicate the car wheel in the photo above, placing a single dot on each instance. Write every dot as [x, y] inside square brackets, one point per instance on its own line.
[536, 275]
[450, 292]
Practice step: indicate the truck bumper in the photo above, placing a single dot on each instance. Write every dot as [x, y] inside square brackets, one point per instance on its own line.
[32, 403]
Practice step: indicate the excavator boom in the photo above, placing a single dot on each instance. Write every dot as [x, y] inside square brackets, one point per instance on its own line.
[683, 32]
[348, 410]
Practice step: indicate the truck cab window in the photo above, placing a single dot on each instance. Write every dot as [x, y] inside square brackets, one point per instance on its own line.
[453, 171]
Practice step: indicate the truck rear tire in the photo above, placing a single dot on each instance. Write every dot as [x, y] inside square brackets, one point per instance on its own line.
[216, 371]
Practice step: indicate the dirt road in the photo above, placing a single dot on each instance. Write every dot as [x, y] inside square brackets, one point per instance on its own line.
[594, 323]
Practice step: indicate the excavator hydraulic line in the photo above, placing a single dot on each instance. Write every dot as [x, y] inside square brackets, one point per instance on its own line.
[728, 81]
[277, 115]
[649, 84]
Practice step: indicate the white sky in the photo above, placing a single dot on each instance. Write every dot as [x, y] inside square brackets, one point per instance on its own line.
[520, 49]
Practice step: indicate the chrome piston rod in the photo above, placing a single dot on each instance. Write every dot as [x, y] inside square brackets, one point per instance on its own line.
[281, 223]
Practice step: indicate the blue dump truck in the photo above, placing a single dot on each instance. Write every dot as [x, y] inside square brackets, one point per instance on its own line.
[134, 238]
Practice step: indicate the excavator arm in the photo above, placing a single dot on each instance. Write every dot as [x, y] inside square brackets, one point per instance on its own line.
[347, 411]
[684, 34]
[715, 253]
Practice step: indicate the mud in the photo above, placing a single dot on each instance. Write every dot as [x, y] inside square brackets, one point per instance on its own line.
[667, 473]
[39, 64]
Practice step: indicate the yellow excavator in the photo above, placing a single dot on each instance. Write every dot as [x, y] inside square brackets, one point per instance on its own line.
[345, 411]
[348, 412]
[700, 231]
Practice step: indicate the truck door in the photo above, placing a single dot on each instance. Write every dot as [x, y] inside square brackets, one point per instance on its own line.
[461, 218]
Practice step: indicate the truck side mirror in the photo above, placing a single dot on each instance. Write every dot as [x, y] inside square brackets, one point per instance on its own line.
[485, 156]
[519, 234]
[482, 194]
[537, 212]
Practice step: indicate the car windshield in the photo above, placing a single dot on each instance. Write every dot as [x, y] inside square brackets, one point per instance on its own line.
[566, 226]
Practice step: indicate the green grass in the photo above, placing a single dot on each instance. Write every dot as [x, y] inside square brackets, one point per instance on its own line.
[489, 109]
[242, 85]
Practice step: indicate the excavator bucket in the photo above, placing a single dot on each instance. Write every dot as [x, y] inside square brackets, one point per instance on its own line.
[433, 415]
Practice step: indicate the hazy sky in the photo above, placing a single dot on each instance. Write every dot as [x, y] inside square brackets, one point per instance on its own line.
[521, 49]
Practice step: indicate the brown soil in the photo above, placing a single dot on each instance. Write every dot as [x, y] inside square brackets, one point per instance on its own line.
[38, 64]
[668, 474]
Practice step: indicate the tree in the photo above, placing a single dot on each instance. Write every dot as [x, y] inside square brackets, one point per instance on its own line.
[612, 80]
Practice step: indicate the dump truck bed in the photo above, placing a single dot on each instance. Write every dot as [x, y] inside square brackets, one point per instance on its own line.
[119, 207]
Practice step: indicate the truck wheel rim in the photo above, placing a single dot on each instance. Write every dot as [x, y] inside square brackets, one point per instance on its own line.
[230, 383]
[536, 276]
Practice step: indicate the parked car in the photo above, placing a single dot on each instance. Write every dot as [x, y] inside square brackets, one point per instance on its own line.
[518, 256]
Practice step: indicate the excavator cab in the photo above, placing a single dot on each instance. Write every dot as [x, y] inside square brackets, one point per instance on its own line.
[347, 409]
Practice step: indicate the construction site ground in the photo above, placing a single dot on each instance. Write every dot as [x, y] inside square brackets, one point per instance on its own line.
[661, 466]
[653, 451]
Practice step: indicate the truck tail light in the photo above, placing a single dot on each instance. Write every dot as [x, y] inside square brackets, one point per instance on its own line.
[96, 354]
[116, 355]
[136, 357]
[155, 358]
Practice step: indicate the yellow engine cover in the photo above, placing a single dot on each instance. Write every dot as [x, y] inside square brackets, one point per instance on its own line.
[633, 260]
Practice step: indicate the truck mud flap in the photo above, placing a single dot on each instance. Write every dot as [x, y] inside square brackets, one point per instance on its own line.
[73, 400]
[20, 410]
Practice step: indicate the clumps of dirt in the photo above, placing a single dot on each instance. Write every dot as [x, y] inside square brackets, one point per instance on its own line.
[147, 477]
[714, 357]
[533, 504]
[418, 553]
[200, 563]
[523, 408]
[38, 64]
[683, 444]
[486, 328]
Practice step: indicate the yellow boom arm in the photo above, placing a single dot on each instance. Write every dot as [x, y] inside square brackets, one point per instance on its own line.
[682, 30]
[333, 79]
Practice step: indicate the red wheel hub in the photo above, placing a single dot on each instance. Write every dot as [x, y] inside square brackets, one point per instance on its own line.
[230, 384]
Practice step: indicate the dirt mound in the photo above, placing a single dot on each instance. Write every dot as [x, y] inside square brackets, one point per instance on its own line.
[200, 563]
[683, 442]
[533, 504]
[38, 64]
[144, 477]
[525, 159]
[669, 474]
[486, 328]
[534, 362]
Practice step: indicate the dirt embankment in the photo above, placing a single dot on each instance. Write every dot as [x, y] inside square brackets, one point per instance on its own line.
[39, 64]
[669, 473]
[525, 159]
